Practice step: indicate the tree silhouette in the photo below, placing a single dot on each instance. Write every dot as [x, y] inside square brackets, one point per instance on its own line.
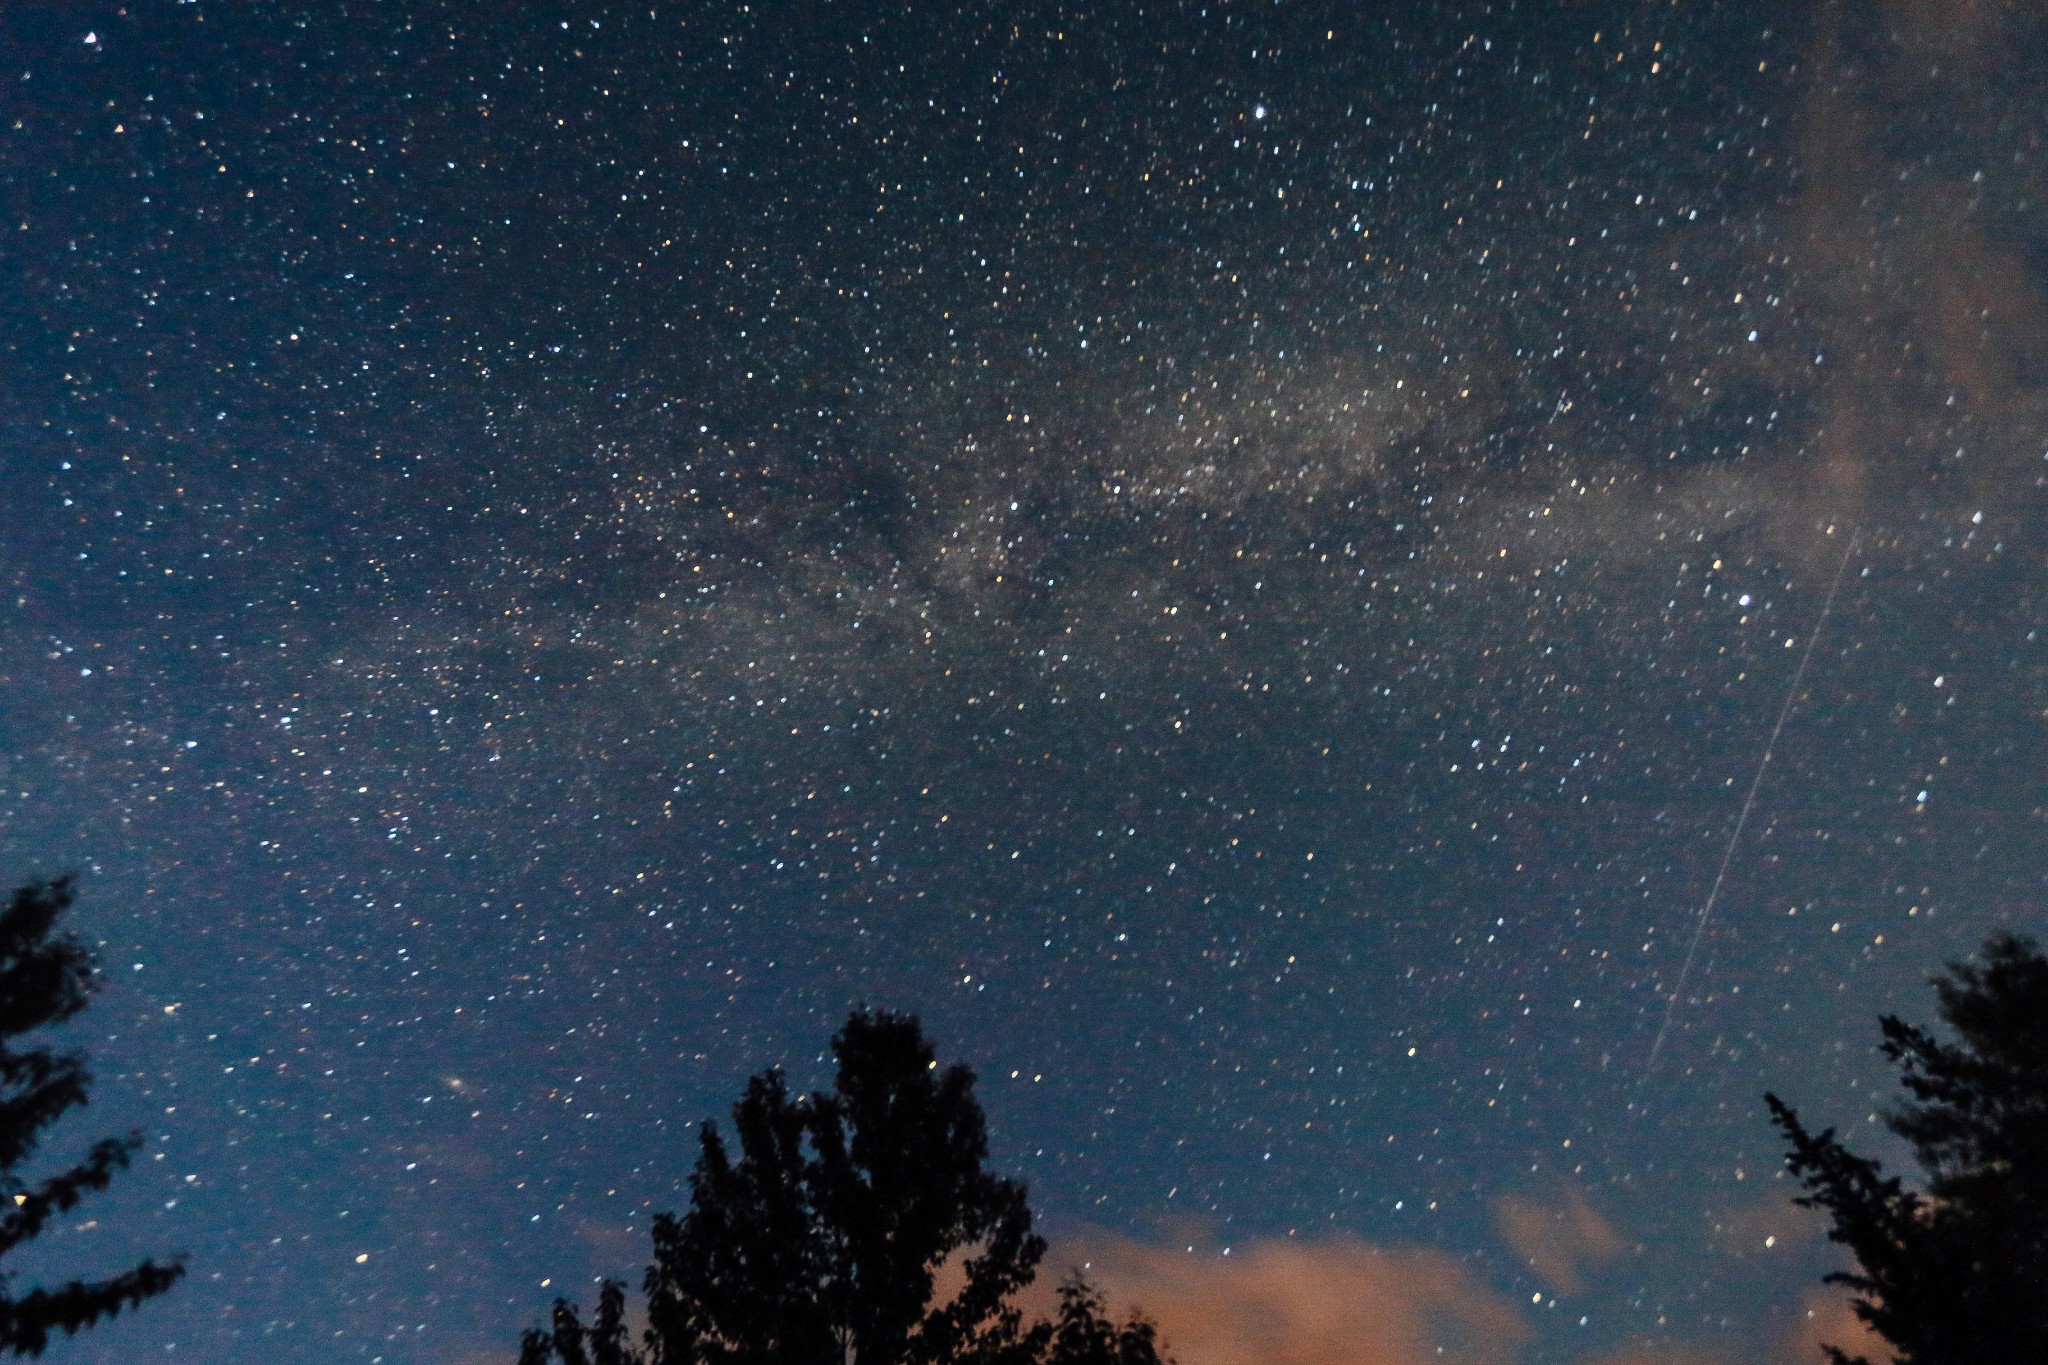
[45, 978]
[1959, 1273]
[1084, 1336]
[602, 1343]
[821, 1243]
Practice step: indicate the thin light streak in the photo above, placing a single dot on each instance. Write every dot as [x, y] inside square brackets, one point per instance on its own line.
[1699, 928]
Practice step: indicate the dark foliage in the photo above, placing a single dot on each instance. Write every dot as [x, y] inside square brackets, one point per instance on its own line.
[820, 1243]
[1084, 1336]
[45, 978]
[602, 1343]
[1958, 1273]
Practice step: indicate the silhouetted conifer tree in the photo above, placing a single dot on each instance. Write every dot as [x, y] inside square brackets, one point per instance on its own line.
[45, 978]
[819, 1244]
[1957, 1275]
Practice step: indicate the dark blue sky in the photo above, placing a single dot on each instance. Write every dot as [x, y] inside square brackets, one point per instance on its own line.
[1240, 559]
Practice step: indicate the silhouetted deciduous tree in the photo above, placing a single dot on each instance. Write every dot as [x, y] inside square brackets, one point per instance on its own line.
[1957, 1275]
[604, 1342]
[821, 1242]
[1084, 1336]
[45, 978]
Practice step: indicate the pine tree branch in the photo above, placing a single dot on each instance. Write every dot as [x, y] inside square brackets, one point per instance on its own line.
[61, 1193]
[26, 1322]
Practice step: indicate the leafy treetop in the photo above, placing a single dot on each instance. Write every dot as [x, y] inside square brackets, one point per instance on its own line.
[821, 1242]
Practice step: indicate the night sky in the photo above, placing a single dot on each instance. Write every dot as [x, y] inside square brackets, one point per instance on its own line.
[1239, 558]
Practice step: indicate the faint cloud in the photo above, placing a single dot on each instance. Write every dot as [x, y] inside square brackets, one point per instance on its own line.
[1958, 342]
[1662, 1353]
[1286, 1302]
[617, 1243]
[479, 1356]
[1963, 34]
[1768, 1224]
[1826, 1318]
[1559, 1241]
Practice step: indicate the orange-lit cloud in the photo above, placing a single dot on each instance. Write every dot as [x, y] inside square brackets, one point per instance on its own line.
[1662, 1353]
[1769, 1224]
[1826, 1318]
[1935, 318]
[1560, 1241]
[1286, 1302]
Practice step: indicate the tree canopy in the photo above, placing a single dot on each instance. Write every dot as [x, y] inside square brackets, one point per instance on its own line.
[822, 1242]
[1958, 1273]
[45, 978]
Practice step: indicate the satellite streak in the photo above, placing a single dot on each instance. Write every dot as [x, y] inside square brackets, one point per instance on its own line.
[1699, 928]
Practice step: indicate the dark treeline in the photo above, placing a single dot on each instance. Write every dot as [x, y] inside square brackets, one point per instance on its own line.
[862, 1226]
[819, 1244]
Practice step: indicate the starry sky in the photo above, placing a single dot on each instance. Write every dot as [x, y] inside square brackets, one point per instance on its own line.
[1240, 558]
